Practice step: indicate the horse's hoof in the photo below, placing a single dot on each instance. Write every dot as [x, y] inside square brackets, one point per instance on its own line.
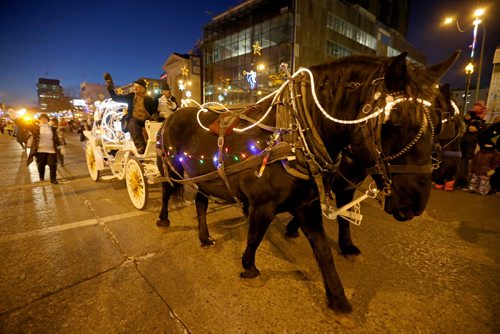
[292, 235]
[354, 257]
[207, 243]
[250, 273]
[344, 319]
[351, 253]
[163, 223]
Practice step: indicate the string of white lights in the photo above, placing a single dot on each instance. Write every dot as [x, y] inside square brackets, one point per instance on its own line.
[390, 103]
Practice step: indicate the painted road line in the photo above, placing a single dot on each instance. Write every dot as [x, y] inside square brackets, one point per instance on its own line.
[82, 223]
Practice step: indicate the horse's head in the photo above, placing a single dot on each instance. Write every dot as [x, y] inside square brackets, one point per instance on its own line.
[452, 124]
[396, 146]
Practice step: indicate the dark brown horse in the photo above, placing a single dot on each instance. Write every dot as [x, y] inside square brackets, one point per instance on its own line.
[352, 172]
[367, 108]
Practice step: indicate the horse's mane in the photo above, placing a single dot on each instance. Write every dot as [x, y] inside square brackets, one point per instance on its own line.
[365, 68]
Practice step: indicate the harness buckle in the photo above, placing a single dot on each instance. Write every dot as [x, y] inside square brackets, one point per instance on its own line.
[220, 142]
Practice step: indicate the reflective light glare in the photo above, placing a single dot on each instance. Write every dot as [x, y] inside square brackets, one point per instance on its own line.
[469, 68]
[479, 12]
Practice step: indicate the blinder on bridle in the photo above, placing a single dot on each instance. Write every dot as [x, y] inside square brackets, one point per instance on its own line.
[383, 166]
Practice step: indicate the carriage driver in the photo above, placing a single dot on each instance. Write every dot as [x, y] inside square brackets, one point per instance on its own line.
[141, 107]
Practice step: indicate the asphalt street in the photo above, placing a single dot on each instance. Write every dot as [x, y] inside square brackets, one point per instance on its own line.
[79, 258]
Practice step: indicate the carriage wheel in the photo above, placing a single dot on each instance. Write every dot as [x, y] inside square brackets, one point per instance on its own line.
[136, 183]
[91, 162]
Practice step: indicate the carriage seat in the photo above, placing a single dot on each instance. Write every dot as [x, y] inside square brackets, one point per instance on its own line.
[152, 129]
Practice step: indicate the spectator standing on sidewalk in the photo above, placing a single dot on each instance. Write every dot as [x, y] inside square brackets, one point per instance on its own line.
[9, 127]
[468, 146]
[43, 148]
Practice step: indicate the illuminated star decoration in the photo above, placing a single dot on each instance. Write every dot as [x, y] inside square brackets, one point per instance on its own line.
[251, 78]
[119, 91]
[184, 71]
[256, 48]
[182, 86]
[188, 94]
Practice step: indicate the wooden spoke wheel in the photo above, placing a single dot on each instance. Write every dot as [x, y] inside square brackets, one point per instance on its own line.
[91, 162]
[136, 183]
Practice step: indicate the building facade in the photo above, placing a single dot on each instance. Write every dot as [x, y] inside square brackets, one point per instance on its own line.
[244, 47]
[50, 95]
[183, 75]
[493, 102]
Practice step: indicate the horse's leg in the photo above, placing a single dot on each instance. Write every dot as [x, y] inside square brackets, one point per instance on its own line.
[201, 210]
[347, 247]
[259, 219]
[166, 192]
[311, 223]
[292, 228]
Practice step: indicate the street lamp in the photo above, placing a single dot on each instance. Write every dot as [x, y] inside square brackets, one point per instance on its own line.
[470, 67]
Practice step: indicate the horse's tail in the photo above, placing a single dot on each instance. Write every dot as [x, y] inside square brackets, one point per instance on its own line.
[169, 174]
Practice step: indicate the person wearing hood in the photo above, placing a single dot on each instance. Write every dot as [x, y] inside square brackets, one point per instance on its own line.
[141, 108]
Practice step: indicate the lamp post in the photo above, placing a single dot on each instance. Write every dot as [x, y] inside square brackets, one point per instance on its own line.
[480, 66]
[469, 69]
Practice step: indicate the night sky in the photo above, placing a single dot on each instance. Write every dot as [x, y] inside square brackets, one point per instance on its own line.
[77, 41]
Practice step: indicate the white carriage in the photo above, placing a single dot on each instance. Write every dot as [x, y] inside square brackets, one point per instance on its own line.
[108, 148]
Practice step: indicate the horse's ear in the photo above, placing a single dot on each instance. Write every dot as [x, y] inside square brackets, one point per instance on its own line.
[437, 70]
[396, 76]
[445, 90]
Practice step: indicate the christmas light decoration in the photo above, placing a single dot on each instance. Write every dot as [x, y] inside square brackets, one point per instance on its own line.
[184, 71]
[251, 78]
[256, 48]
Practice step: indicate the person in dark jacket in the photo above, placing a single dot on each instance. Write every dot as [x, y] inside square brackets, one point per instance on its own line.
[141, 107]
[468, 148]
[44, 147]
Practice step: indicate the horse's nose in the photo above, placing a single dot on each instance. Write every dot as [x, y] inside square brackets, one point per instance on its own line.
[403, 213]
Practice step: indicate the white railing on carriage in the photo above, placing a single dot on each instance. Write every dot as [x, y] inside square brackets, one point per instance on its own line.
[109, 113]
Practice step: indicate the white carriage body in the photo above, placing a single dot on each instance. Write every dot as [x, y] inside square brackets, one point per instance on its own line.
[109, 148]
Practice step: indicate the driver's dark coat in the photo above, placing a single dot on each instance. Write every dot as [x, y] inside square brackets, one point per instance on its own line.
[150, 104]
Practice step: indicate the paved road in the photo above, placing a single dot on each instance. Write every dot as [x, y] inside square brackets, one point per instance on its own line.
[78, 258]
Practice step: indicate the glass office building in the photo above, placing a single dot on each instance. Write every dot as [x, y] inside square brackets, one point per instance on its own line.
[244, 46]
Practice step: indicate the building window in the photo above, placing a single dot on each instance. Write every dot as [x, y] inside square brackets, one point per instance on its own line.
[337, 50]
[352, 32]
